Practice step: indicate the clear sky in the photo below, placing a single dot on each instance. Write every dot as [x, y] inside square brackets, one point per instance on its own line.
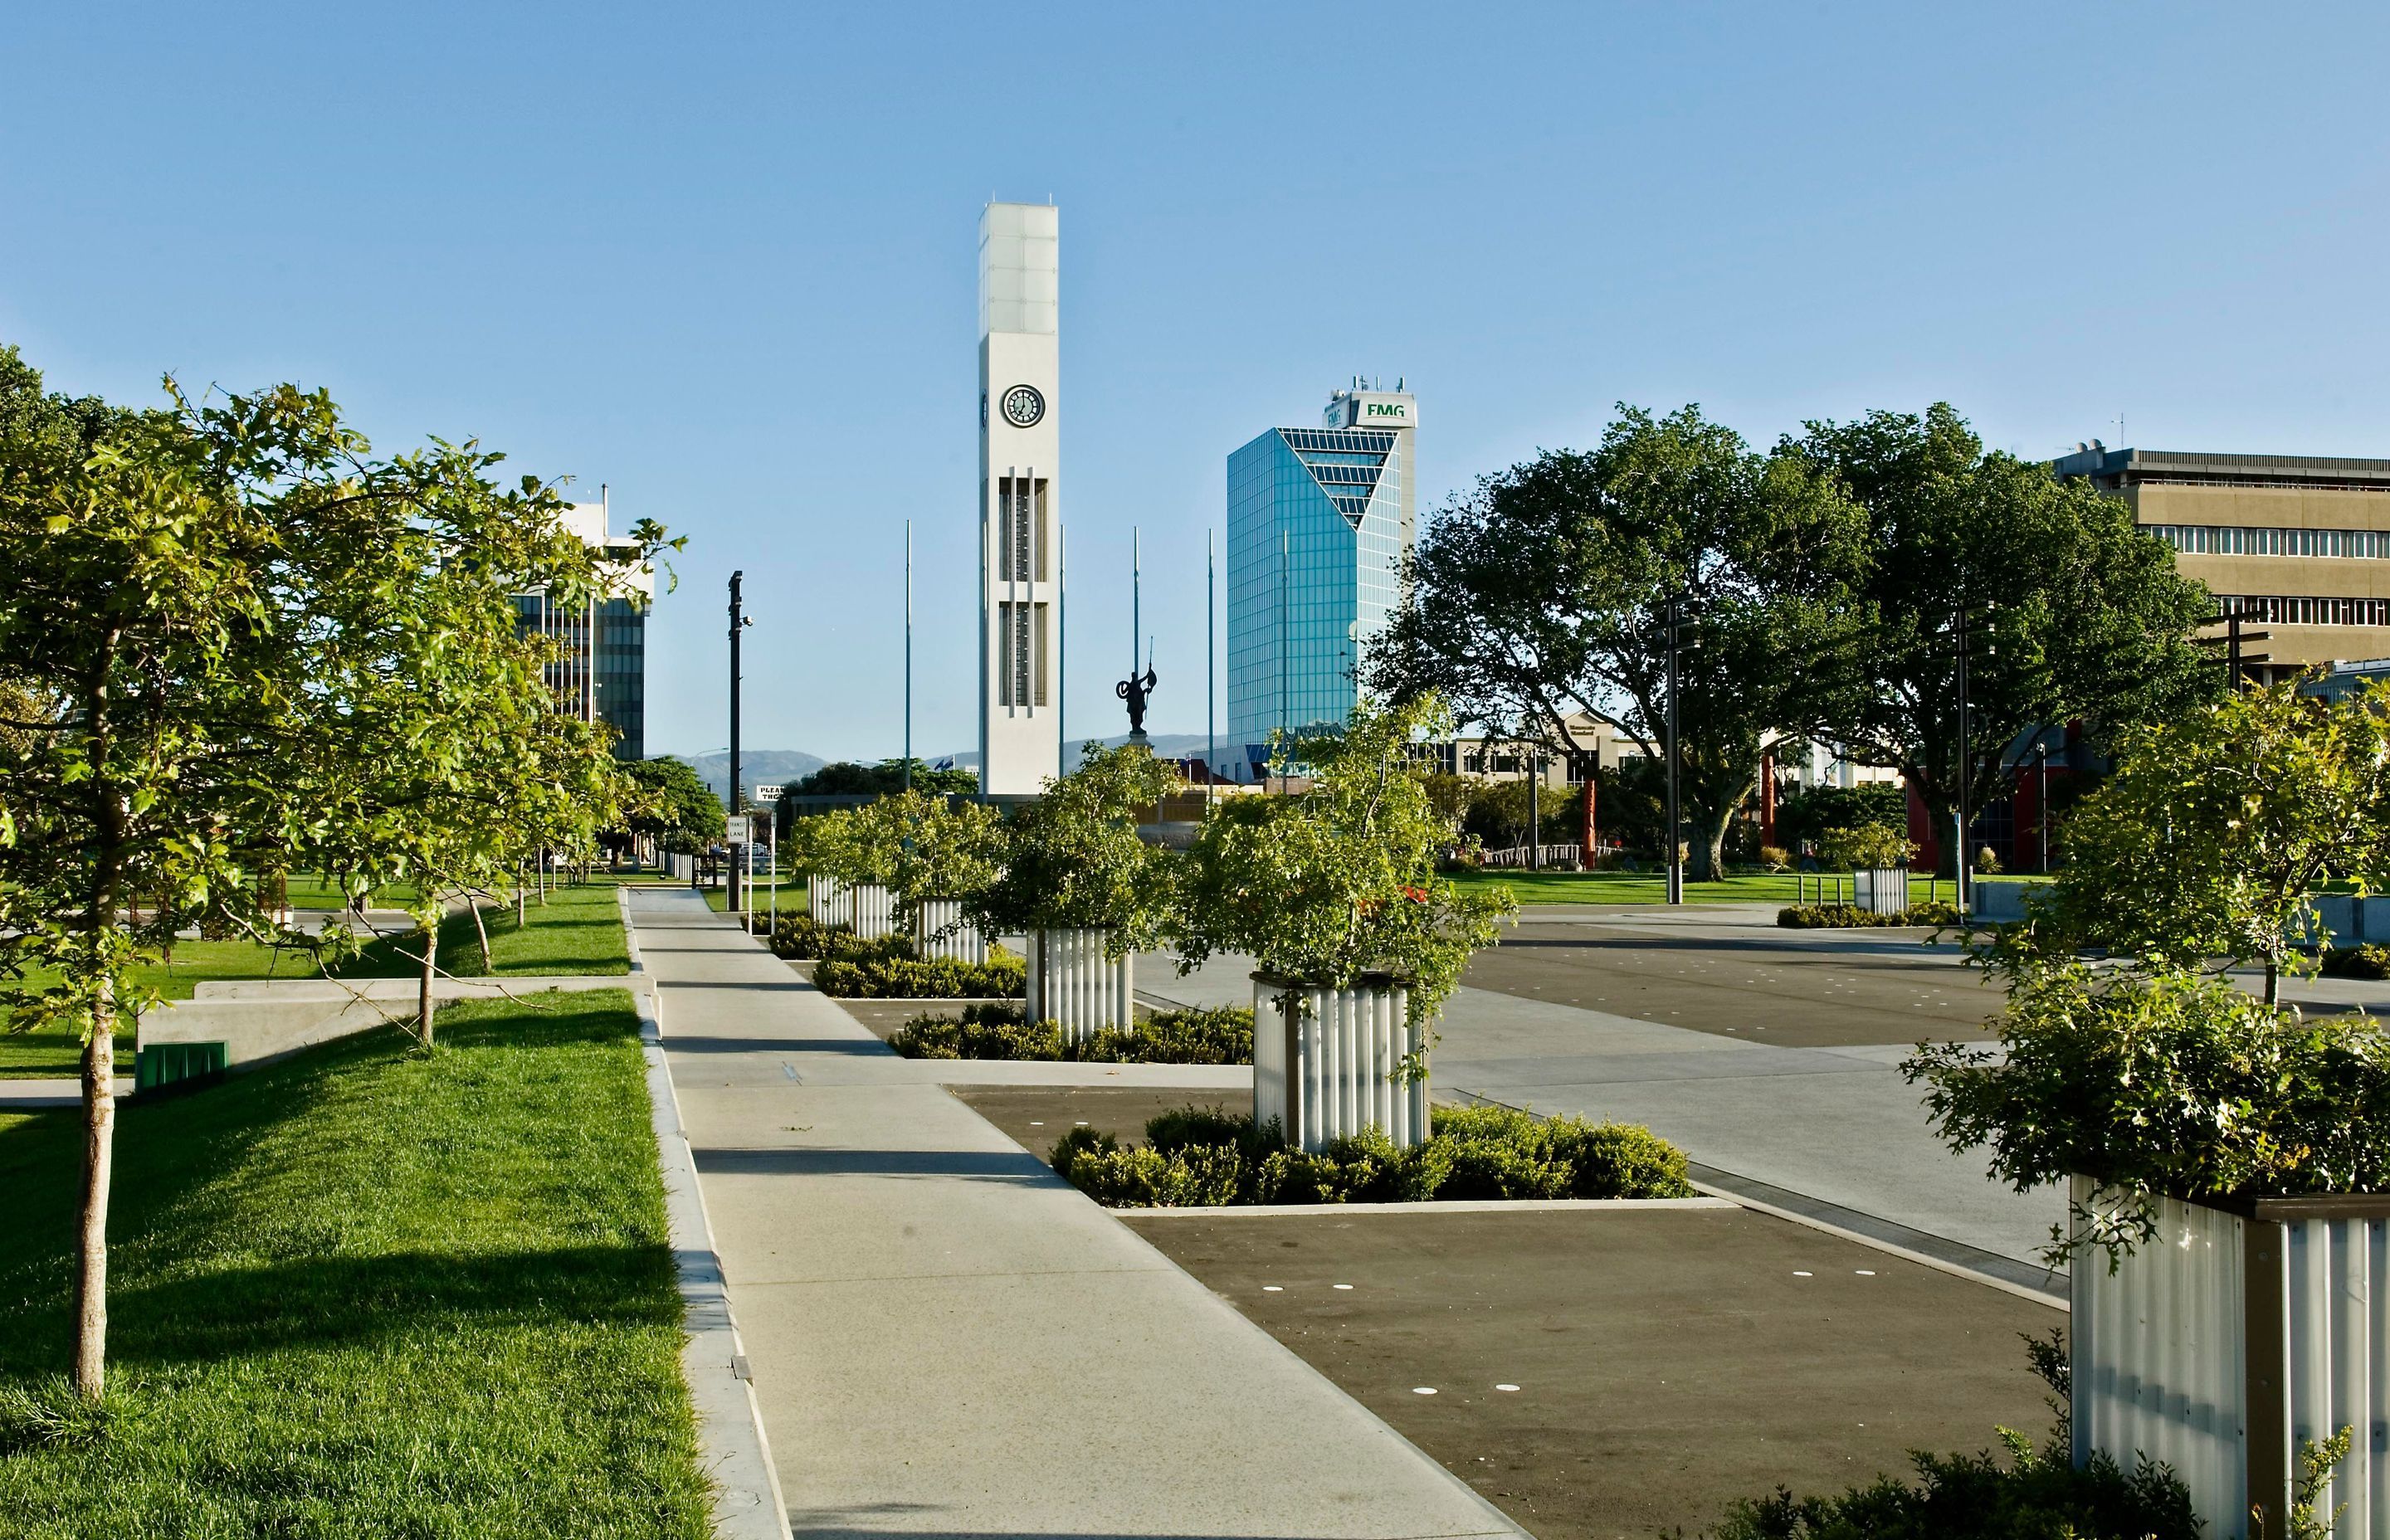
[722, 258]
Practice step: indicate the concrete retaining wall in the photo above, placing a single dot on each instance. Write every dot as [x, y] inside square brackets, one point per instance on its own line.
[262, 1019]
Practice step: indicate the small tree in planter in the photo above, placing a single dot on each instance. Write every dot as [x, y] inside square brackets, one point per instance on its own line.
[2208, 845]
[1356, 942]
[1876, 856]
[1084, 888]
[849, 854]
[945, 852]
[2225, 1153]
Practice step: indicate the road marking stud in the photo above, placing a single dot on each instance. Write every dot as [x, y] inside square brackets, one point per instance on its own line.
[1423, 1390]
[1798, 1274]
[1506, 1387]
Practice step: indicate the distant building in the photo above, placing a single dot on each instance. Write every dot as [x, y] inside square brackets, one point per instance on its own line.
[600, 672]
[2300, 543]
[1319, 519]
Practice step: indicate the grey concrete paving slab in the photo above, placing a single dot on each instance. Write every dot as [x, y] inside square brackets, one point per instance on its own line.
[944, 1336]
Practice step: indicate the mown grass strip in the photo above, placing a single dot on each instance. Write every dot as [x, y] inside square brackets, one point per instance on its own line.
[370, 1291]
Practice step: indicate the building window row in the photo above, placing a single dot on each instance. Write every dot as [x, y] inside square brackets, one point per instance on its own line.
[2293, 610]
[2247, 540]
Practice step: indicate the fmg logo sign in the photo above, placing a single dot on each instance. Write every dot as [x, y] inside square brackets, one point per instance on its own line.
[1396, 410]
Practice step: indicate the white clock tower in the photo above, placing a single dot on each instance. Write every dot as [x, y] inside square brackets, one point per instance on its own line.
[1020, 528]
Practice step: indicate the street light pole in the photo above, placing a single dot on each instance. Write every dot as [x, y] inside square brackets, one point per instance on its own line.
[1958, 868]
[735, 899]
[908, 656]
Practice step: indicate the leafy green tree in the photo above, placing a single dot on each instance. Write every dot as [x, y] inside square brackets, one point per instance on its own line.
[1340, 880]
[228, 657]
[1548, 591]
[674, 807]
[2077, 613]
[1805, 814]
[2208, 844]
[1072, 860]
[848, 779]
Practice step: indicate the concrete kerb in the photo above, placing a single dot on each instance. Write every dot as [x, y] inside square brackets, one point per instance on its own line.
[1468, 1205]
[748, 1504]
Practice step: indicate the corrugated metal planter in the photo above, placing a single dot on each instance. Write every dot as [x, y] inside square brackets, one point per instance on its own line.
[939, 931]
[828, 901]
[1325, 1061]
[1072, 984]
[872, 909]
[1880, 890]
[2244, 1330]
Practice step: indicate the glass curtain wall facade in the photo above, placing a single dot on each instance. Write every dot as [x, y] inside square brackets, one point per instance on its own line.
[1314, 549]
[601, 667]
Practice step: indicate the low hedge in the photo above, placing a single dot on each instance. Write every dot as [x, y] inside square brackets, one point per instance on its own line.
[1002, 1031]
[2356, 962]
[1828, 917]
[801, 936]
[1208, 1157]
[1976, 1497]
[1002, 976]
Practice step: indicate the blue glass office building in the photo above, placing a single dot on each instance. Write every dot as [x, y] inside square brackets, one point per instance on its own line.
[1318, 522]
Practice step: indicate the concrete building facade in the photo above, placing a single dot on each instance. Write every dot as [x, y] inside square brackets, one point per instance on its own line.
[1319, 519]
[1020, 483]
[2301, 542]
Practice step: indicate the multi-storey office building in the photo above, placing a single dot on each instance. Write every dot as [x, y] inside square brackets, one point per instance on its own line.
[601, 670]
[2300, 543]
[1319, 519]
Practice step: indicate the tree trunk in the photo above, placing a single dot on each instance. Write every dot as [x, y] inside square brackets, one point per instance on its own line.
[2273, 984]
[98, 1162]
[518, 895]
[474, 901]
[430, 941]
[1708, 863]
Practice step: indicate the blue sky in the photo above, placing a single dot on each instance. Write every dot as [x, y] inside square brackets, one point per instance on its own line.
[722, 258]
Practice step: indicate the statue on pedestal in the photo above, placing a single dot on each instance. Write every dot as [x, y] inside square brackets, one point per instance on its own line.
[1134, 690]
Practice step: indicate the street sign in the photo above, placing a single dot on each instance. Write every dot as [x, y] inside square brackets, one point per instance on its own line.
[767, 791]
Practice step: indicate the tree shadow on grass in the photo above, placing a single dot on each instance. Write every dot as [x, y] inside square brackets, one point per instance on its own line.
[165, 1213]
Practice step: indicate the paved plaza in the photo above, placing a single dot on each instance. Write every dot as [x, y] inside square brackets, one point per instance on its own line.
[945, 1338]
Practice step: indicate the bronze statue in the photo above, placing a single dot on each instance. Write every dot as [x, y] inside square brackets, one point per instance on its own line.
[1134, 690]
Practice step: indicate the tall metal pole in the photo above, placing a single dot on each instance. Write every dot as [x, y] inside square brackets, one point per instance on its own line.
[732, 899]
[1211, 685]
[1959, 867]
[2041, 806]
[1676, 846]
[908, 655]
[1135, 596]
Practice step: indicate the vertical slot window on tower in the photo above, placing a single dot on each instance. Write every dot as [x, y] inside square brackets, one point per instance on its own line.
[1021, 629]
[1021, 529]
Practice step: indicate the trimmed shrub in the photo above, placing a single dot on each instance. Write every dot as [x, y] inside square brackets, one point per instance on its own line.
[1199, 1176]
[999, 1030]
[801, 936]
[2356, 962]
[1223, 1034]
[1475, 1153]
[1976, 1497]
[1828, 917]
[995, 1030]
[908, 978]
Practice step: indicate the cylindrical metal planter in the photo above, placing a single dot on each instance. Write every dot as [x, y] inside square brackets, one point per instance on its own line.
[1880, 890]
[1326, 1062]
[872, 909]
[939, 931]
[828, 901]
[1071, 982]
[2242, 1331]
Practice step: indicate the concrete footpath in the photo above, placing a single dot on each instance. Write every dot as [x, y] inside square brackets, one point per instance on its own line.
[946, 1339]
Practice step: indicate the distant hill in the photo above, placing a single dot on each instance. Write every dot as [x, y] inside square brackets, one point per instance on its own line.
[1165, 746]
[778, 766]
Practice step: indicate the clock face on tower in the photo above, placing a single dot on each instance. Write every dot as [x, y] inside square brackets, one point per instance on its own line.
[1024, 407]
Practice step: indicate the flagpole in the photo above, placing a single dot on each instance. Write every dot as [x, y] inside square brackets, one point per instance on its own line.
[908, 656]
[1211, 685]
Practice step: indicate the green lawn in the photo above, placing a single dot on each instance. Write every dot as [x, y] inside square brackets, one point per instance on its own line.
[368, 1290]
[794, 899]
[579, 930]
